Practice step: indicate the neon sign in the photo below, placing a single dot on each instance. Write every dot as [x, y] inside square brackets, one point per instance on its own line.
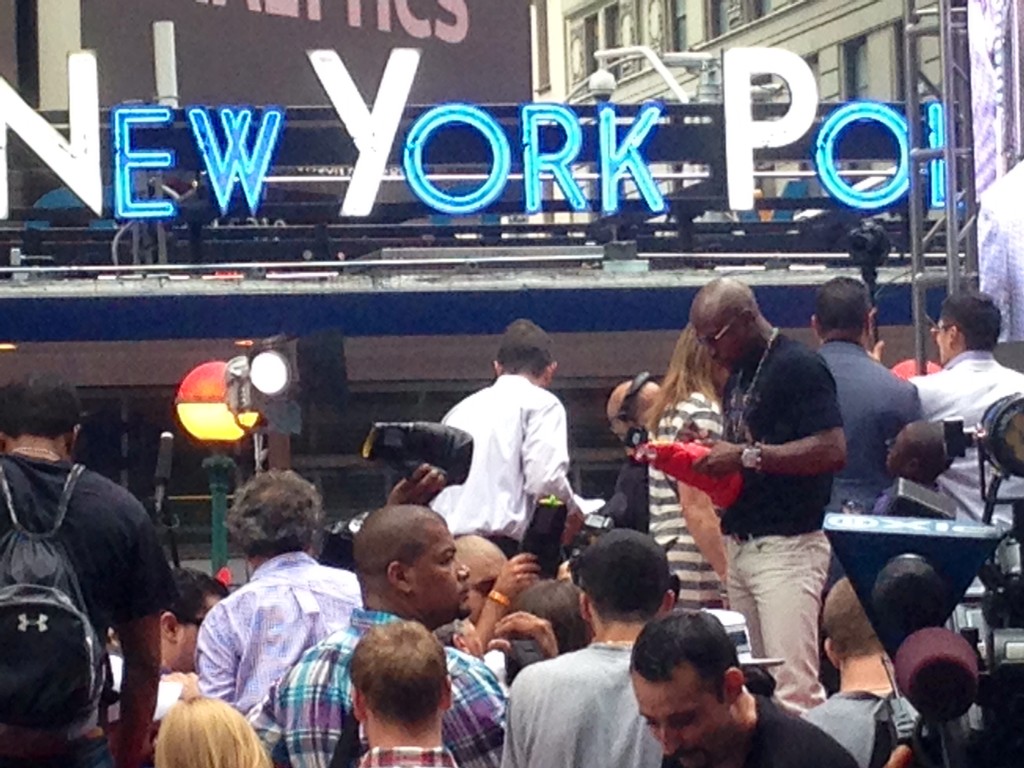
[237, 144]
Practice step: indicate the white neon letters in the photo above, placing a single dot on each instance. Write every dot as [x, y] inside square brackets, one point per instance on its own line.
[76, 161]
[743, 134]
[373, 132]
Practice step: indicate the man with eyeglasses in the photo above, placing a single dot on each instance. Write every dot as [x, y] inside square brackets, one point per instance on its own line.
[179, 624]
[784, 432]
[971, 380]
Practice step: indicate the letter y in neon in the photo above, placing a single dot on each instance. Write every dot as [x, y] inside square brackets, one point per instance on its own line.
[373, 132]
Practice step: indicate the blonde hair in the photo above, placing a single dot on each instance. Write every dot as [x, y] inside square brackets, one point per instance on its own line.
[690, 370]
[207, 733]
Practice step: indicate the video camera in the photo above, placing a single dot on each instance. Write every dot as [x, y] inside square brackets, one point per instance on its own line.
[406, 445]
[960, 663]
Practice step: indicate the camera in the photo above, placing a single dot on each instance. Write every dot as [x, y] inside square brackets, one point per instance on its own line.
[946, 598]
[406, 445]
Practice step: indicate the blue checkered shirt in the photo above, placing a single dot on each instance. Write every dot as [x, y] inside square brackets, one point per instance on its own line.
[301, 720]
[251, 638]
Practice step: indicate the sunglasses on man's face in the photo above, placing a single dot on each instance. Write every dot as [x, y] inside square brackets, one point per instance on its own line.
[712, 339]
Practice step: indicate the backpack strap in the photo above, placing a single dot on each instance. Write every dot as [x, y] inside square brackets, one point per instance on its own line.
[62, 505]
[347, 748]
[65, 496]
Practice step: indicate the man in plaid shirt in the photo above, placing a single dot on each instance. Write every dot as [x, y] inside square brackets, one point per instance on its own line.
[405, 560]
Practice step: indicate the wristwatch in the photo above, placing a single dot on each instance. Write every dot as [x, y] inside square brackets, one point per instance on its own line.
[751, 457]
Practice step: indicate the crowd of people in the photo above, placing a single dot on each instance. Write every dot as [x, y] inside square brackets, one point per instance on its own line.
[447, 645]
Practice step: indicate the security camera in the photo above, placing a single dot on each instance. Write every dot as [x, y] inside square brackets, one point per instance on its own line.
[602, 85]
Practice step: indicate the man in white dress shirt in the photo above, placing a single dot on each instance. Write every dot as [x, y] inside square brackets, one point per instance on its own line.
[520, 444]
[971, 381]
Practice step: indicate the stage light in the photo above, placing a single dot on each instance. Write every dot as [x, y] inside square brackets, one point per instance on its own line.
[202, 409]
[269, 373]
[825, 156]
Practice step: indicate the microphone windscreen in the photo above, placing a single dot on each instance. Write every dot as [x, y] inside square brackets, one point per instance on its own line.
[164, 457]
[937, 670]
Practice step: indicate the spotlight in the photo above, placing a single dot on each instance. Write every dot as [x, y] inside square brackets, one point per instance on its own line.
[269, 373]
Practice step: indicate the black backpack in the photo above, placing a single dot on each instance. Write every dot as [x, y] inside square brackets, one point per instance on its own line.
[52, 663]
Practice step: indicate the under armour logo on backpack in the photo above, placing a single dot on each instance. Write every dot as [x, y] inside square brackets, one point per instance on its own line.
[24, 622]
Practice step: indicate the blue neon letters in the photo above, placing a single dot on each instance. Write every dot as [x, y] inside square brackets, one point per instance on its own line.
[415, 173]
[536, 162]
[234, 163]
[828, 139]
[128, 160]
[233, 157]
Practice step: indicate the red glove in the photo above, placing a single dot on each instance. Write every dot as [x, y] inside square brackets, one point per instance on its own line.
[677, 459]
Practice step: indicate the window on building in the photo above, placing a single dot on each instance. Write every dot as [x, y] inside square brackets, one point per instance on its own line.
[718, 17]
[814, 66]
[679, 25]
[612, 35]
[856, 68]
[591, 43]
[900, 89]
[723, 16]
[543, 57]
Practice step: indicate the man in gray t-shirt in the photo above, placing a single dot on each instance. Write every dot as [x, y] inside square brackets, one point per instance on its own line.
[863, 710]
[578, 710]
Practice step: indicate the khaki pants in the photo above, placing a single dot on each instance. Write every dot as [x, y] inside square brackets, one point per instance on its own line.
[776, 583]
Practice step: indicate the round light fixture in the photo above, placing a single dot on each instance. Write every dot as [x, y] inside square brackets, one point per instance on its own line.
[269, 373]
[201, 405]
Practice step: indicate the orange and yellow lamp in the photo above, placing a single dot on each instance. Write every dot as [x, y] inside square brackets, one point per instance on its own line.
[202, 409]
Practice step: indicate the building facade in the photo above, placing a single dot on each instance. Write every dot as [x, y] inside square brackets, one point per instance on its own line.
[855, 47]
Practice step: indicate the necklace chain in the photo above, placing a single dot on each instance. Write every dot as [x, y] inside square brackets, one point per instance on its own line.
[760, 364]
[37, 453]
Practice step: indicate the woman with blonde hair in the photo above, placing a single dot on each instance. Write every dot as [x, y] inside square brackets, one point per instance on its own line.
[683, 518]
[207, 733]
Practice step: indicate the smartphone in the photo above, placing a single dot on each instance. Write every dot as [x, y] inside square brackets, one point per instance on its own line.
[543, 538]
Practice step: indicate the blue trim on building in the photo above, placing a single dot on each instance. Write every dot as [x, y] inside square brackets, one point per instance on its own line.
[395, 313]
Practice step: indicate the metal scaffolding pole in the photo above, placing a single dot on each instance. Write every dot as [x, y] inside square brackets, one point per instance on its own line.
[945, 22]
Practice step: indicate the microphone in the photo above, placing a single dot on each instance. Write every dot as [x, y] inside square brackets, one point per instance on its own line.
[164, 458]
[937, 670]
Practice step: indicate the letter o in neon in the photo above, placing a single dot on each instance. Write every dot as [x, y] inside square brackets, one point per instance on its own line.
[423, 131]
[828, 137]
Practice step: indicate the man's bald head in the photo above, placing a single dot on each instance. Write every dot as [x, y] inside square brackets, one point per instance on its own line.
[919, 453]
[723, 297]
[391, 534]
[642, 402]
[478, 551]
[484, 560]
[727, 321]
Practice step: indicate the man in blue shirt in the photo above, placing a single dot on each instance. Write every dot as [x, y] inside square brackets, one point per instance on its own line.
[874, 403]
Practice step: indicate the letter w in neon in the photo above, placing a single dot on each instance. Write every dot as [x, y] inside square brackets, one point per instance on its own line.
[235, 163]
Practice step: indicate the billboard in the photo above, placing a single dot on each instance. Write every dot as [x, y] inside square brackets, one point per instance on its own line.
[254, 51]
[996, 29]
[8, 51]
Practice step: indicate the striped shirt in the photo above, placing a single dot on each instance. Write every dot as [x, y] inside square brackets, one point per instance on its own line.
[700, 586]
[301, 720]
